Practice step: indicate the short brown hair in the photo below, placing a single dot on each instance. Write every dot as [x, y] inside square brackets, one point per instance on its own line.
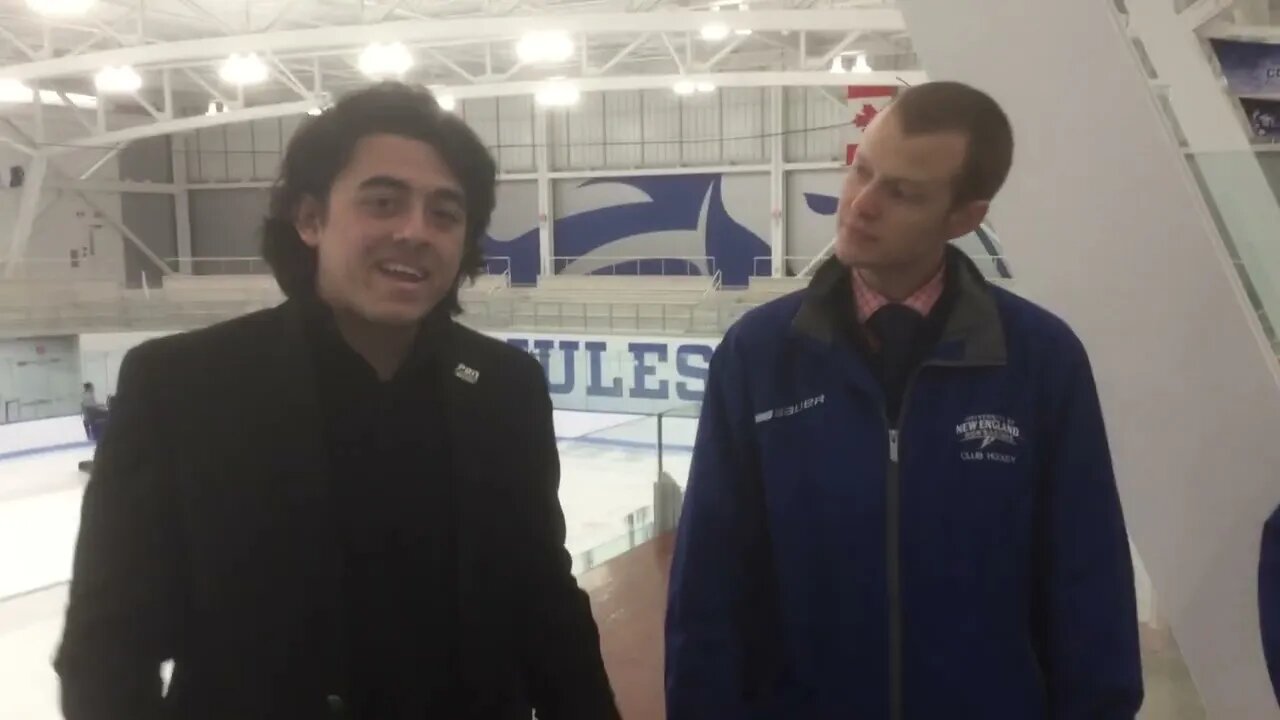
[945, 106]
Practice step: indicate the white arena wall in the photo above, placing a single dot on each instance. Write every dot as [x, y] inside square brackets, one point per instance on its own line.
[607, 390]
[608, 373]
[1188, 385]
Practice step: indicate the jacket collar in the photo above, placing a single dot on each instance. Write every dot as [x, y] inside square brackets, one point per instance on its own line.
[973, 334]
[320, 330]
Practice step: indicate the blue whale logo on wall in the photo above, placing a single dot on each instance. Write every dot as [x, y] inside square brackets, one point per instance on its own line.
[684, 212]
[683, 217]
[524, 254]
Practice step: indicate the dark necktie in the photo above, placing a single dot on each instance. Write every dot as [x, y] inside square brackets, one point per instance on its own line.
[896, 328]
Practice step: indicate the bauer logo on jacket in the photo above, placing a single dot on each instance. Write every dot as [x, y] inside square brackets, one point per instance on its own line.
[782, 412]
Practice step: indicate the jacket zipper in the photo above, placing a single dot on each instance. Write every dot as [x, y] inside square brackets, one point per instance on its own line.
[893, 547]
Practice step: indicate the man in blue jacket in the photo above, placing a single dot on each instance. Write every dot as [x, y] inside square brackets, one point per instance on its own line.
[1269, 597]
[901, 504]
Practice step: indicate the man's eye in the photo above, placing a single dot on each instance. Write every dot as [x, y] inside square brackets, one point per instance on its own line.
[381, 203]
[447, 216]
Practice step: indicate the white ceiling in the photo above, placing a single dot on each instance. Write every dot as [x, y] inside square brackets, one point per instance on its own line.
[455, 42]
[466, 45]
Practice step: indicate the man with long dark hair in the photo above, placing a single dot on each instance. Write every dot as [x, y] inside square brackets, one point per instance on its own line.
[345, 506]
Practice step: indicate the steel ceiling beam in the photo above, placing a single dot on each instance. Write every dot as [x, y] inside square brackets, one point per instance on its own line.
[725, 51]
[623, 53]
[811, 78]
[168, 127]
[845, 42]
[503, 89]
[21, 46]
[1270, 33]
[1203, 11]
[680, 66]
[478, 29]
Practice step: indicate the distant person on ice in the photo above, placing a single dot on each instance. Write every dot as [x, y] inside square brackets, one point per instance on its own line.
[91, 412]
[344, 507]
[901, 504]
[88, 397]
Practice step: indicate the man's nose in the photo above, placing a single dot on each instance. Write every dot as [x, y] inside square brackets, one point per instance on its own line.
[413, 226]
[865, 203]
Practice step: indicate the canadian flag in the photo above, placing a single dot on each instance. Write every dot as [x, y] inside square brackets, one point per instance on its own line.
[865, 102]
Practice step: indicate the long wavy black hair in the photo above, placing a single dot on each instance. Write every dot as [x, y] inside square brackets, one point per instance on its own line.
[322, 147]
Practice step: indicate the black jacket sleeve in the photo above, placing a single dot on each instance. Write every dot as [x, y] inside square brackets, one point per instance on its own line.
[562, 660]
[121, 618]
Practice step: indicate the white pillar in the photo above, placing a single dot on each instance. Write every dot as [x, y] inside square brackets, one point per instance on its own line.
[181, 202]
[1252, 12]
[777, 187]
[1210, 120]
[28, 204]
[546, 204]
[1107, 228]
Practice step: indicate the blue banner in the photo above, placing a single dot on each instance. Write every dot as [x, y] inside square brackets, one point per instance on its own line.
[1264, 118]
[1251, 68]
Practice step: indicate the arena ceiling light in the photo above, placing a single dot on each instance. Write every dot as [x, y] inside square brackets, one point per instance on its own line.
[742, 7]
[15, 92]
[243, 70]
[544, 47]
[684, 87]
[61, 8]
[12, 91]
[557, 93]
[385, 60]
[714, 31]
[837, 65]
[444, 98]
[860, 65]
[117, 80]
[705, 87]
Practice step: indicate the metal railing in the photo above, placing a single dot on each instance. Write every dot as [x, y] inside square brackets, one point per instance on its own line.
[762, 266]
[54, 269]
[219, 265]
[717, 282]
[678, 266]
[69, 307]
[988, 254]
[604, 315]
[497, 265]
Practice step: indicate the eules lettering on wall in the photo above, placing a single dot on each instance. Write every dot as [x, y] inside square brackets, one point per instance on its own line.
[618, 373]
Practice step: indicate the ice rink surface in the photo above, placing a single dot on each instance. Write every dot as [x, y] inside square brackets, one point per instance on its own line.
[608, 465]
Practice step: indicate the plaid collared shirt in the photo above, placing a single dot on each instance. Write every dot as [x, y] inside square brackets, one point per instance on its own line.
[868, 301]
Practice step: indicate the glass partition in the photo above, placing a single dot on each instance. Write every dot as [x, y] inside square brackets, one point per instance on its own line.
[678, 430]
[622, 479]
[1244, 222]
[608, 462]
[102, 368]
[39, 378]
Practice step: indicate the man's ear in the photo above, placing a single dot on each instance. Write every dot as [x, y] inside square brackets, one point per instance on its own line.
[308, 219]
[967, 218]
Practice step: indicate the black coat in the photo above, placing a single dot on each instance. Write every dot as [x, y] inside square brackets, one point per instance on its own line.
[207, 537]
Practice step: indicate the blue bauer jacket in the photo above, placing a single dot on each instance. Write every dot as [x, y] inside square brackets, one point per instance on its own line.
[970, 563]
